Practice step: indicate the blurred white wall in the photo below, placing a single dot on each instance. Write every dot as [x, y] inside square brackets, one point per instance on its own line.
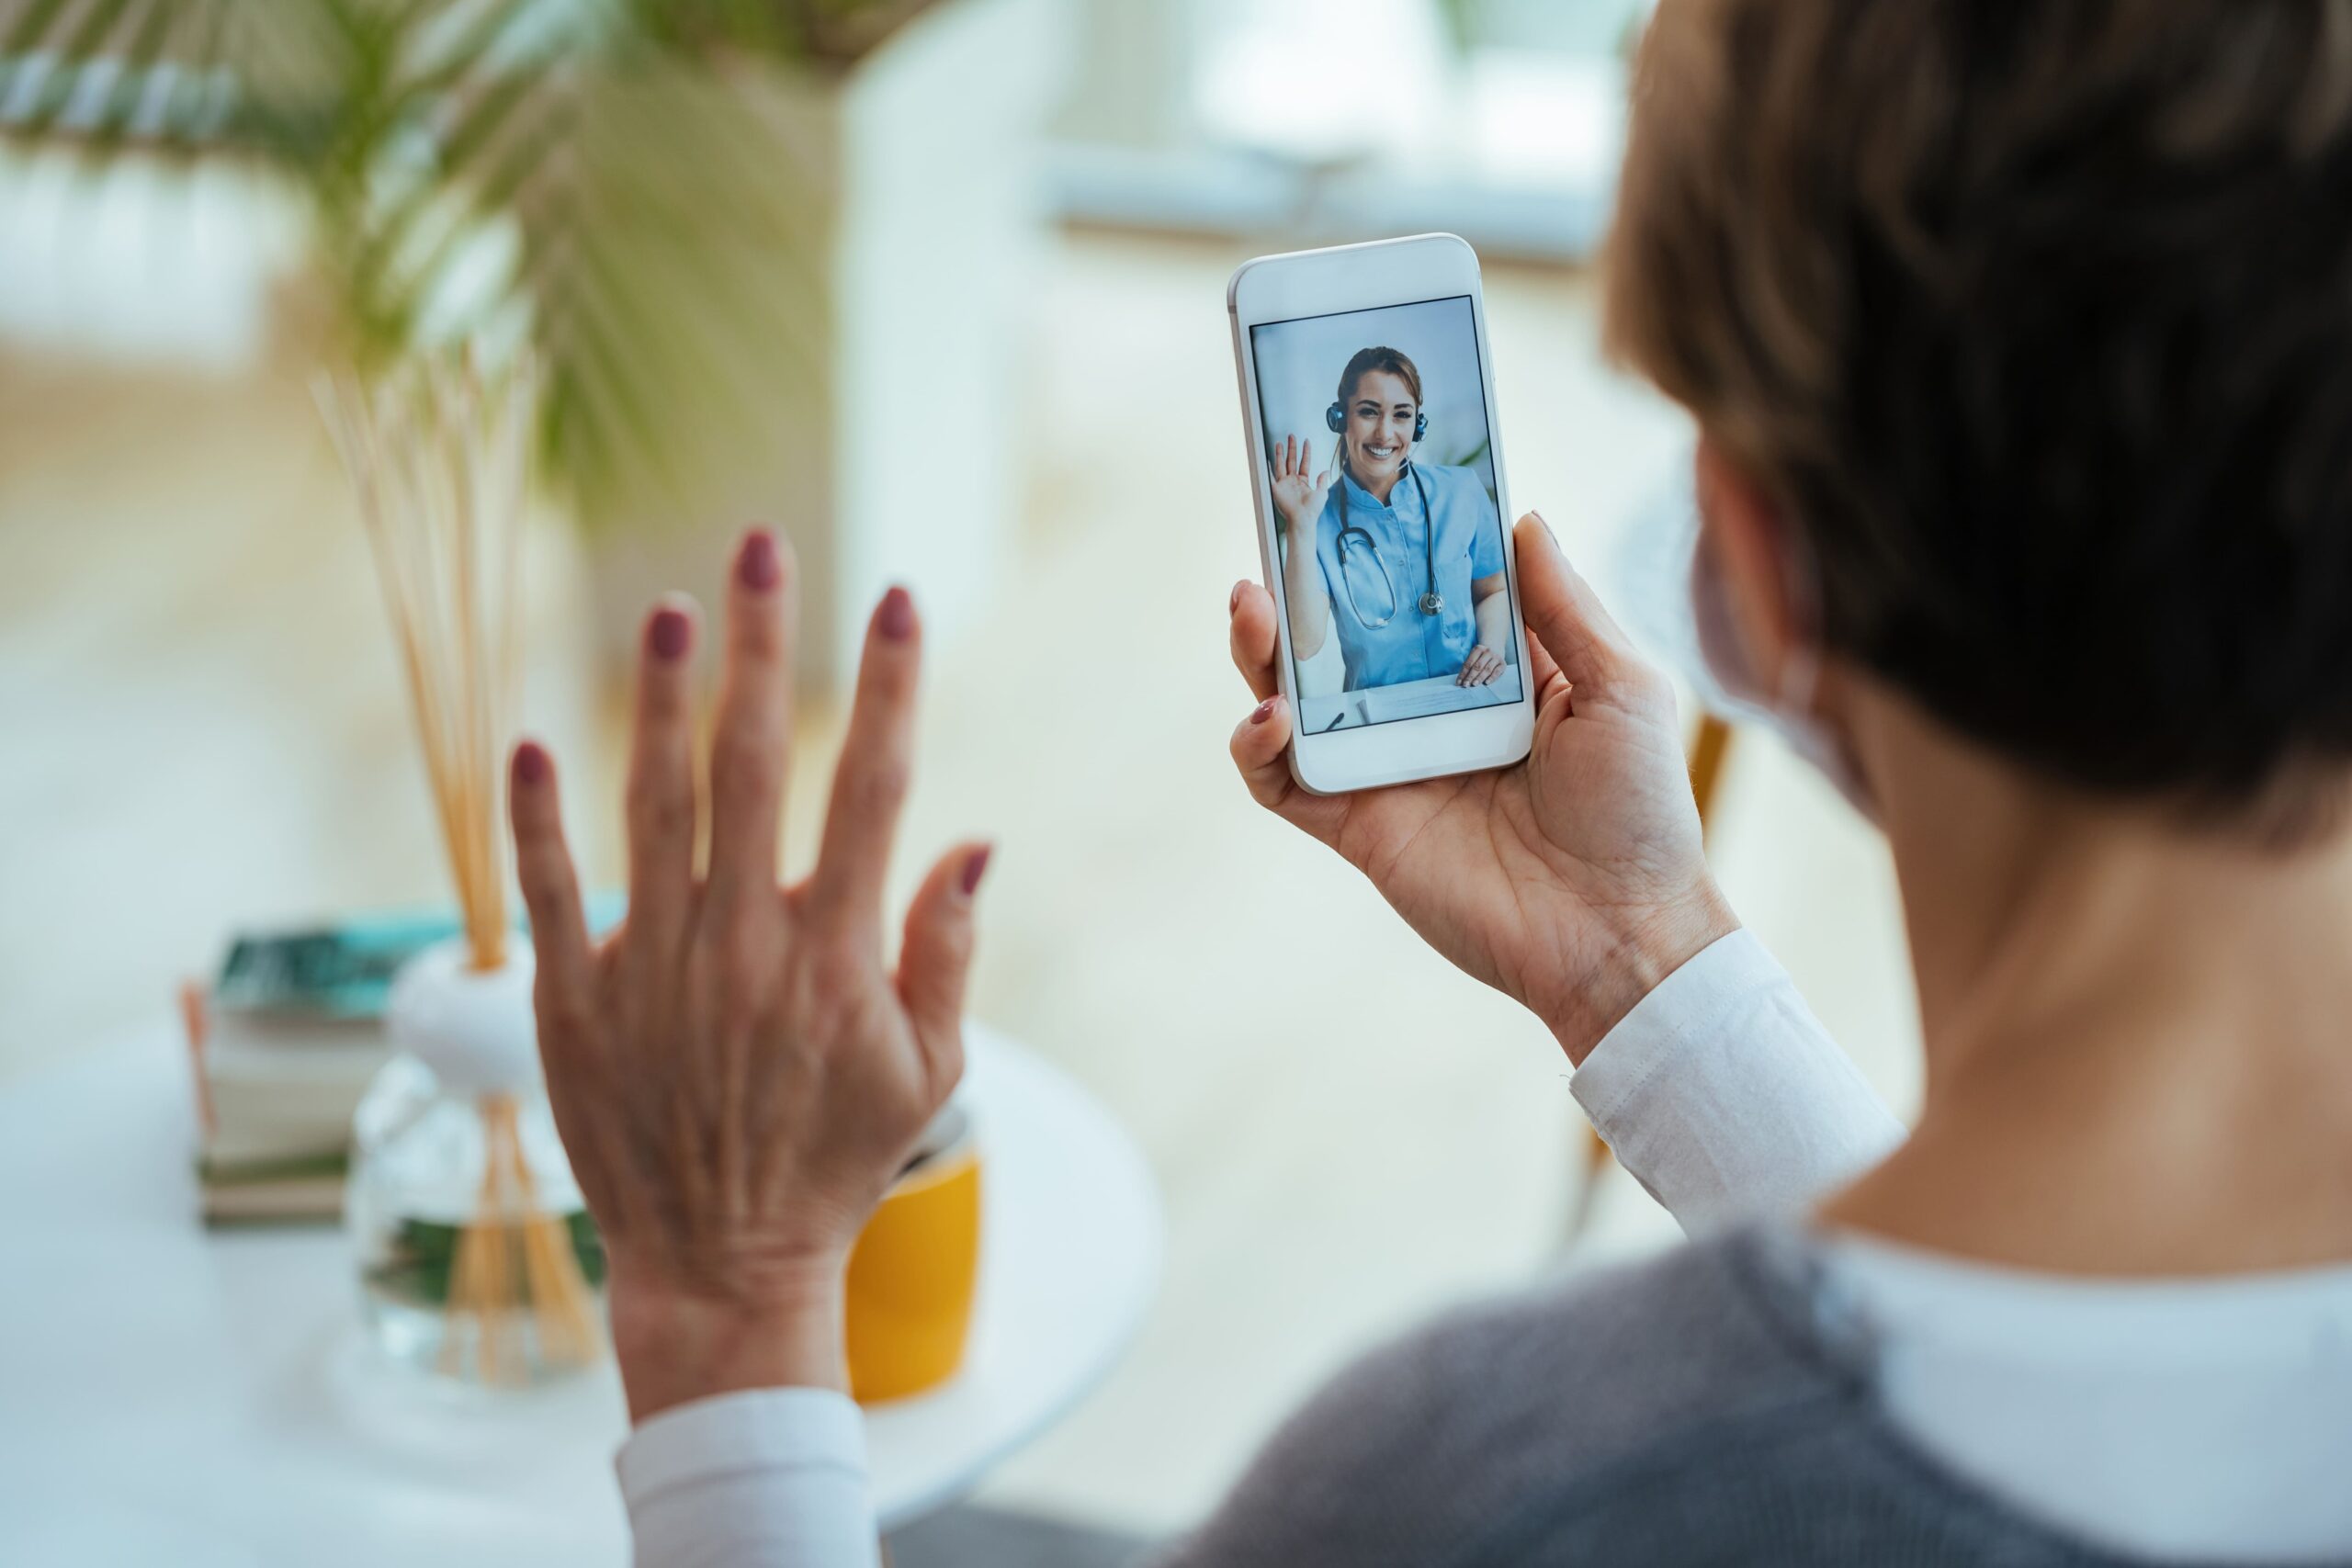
[940, 245]
[1325, 81]
[141, 262]
[1301, 122]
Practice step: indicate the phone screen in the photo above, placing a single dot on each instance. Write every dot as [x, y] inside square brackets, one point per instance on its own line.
[1381, 455]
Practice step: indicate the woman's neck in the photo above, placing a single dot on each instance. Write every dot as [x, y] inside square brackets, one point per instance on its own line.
[1378, 489]
[2137, 1059]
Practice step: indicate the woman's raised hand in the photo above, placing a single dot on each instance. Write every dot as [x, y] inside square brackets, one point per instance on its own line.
[1298, 488]
[737, 1072]
[1574, 881]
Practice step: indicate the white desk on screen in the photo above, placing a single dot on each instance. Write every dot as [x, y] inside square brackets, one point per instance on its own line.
[1350, 710]
[204, 1399]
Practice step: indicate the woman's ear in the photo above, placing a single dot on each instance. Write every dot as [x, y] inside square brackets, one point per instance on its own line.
[1744, 542]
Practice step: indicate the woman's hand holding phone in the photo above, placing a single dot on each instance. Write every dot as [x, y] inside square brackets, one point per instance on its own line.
[1575, 881]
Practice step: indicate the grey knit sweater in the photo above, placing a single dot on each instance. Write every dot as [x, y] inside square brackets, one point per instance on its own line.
[1709, 1407]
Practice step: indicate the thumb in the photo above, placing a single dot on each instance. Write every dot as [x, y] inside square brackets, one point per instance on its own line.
[1562, 611]
[936, 955]
[1261, 751]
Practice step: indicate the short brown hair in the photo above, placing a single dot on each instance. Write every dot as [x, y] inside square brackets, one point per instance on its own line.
[2035, 318]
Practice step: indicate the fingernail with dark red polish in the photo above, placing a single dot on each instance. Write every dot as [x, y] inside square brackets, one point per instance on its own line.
[531, 763]
[977, 868]
[667, 636]
[897, 618]
[1264, 712]
[757, 566]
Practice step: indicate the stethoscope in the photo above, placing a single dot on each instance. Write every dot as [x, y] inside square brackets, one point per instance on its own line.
[1432, 602]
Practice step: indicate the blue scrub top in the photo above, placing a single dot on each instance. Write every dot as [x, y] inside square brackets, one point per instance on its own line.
[1411, 646]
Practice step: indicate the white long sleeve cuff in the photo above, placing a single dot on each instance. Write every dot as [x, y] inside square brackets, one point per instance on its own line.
[771, 1475]
[1725, 1098]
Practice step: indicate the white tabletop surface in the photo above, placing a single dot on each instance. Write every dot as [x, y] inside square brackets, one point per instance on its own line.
[1315, 714]
[169, 1394]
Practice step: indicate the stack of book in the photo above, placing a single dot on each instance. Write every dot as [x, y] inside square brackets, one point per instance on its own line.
[287, 1040]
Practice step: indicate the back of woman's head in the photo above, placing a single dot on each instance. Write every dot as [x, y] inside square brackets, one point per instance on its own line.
[2034, 319]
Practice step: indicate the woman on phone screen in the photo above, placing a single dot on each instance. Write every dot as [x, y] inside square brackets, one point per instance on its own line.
[1407, 558]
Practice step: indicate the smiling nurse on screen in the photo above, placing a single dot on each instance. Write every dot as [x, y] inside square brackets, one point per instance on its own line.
[1406, 561]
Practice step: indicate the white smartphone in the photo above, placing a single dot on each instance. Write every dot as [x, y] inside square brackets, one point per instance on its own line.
[1368, 396]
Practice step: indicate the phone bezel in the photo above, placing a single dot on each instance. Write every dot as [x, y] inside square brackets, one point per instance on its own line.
[1355, 277]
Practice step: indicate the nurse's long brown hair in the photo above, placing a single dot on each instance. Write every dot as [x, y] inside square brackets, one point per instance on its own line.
[1364, 363]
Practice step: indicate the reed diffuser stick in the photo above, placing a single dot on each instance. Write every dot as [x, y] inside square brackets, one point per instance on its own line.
[437, 453]
[435, 456]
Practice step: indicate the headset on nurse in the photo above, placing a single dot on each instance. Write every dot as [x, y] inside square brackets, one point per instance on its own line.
[1407, 563]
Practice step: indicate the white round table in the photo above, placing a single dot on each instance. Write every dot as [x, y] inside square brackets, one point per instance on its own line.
[169, 1394]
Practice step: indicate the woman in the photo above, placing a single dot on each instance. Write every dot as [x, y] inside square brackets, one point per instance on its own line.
[1407, 558]
[2021, 360]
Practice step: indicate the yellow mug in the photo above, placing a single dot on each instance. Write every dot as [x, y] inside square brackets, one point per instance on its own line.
[912, 1275]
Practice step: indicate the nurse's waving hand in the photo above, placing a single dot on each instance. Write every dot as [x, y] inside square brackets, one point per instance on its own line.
[1298, 493]
[1297, 496]
[1573, 882]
